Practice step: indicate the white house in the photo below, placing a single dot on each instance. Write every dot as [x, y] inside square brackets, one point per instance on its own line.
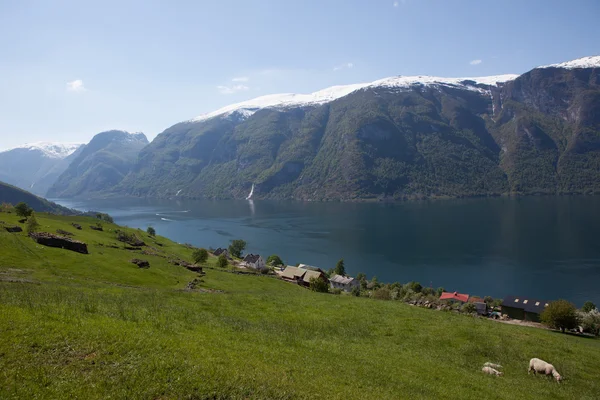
[346, 283]
[254, 261]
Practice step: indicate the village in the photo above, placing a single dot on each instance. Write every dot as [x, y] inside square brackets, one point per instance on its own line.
[516, 310]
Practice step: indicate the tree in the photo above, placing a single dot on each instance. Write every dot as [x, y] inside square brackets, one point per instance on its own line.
[274, 260]
[32, 224]
[468, 308]
[319, 285]
[590, 322]
[560, 314]
[236, 247]
[374, 284]
[361, 277]
[588, 306]
[222, 261]
[23, 210]
[355, 291]
[151, 231]
[439, 291]
[200, 256]
[382, 294]
[488, 300]
[6, 207]
[339, 268]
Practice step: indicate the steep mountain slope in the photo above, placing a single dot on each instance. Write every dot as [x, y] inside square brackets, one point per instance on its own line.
[36, 166]
[100, 165]
[14, 195]
[403, 137]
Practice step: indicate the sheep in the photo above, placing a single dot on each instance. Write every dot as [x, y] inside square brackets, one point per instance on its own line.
[489, 364]
[540, 366]
[491, 371]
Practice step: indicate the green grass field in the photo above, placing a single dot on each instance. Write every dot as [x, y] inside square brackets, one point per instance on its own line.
[96, 326]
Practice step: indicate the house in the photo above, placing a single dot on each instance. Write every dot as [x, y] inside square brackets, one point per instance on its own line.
[480, 305]
[345, 283]
[302, 275]
[523, 308]
[220, 251]
[455, 296]
[253, 261]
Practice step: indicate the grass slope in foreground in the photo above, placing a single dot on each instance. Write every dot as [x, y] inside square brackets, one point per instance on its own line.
[96, 326]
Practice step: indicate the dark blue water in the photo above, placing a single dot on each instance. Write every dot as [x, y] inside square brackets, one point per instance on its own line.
[543, 247]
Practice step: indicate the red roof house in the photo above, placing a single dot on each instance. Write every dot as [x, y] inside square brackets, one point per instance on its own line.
[454, 296]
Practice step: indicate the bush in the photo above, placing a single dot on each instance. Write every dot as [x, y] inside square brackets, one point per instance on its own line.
[336, 291]
[6, 207]
[23, 210]
[355, 292]
[200, 256]
[468, 308]
[319, 285]
[222, 261]
[560, 314]
[105, 217]
[32, 224]
[439, 291]
[588, 306]
[236, 247]
[382, 294]
[151, 231]
[427, 291]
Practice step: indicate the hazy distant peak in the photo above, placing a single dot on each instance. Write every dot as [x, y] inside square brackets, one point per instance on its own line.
[50, 149]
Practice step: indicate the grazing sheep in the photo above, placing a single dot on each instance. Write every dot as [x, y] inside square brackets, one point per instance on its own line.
[491, 371]
[489, 364]
[542, 367]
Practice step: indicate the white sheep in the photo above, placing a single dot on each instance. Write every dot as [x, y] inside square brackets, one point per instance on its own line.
[542, 367]
[491, 371]
[489, 364]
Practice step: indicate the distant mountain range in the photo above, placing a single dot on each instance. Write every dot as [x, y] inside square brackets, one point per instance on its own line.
[14, 195]
[36, 166]
[396, 138]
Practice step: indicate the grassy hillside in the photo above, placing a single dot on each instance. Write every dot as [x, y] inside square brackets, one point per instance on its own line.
[13, 195]
[97, 326]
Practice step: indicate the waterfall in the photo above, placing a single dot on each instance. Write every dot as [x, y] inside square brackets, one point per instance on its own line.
[251, 193]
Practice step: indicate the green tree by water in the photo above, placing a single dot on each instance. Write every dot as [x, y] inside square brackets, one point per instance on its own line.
[200, 256]
[23, 210]
[339, 268]
[274, 260]
[151, 231]
[236, 247]
[319, 285]
[588, 306]
[560, 314]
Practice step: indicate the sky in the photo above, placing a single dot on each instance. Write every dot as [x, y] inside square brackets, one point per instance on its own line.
[71, 69]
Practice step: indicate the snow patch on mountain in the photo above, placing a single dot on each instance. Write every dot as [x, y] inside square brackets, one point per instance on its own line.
[50, 149]
[584, 62]
[287, 100]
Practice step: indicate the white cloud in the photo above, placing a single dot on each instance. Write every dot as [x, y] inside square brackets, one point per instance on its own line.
[75, 86]
[396, 4]
[344, 66]
[240, 79]
[475, 62]
[232, 89]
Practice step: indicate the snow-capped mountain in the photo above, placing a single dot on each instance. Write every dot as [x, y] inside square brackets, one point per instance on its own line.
[291, 100]
[35, 166]
[584, 62]
[50, 149]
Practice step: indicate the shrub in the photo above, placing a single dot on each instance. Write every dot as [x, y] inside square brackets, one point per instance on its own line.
[355, 292]
[560, 314]
[336, 291]
[488, 300]
[439, 291]
[6, 207]
[588, 306]
[151, 231]
[32, 224]
[23, 210]
[200, 256]
[468, 308]
[105, 217]
[382, 294]
[319, 285]
[415, 286]
[427, 291]
[222, 261]
[236, 247]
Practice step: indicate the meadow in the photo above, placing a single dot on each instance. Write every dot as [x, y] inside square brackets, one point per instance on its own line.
[97, 326]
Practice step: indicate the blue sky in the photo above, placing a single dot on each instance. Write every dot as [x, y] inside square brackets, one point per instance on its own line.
[71, 69]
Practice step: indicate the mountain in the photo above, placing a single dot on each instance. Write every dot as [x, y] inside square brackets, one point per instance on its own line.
[400, 137]
[14, 195]
[100, 165]
[36, 166]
